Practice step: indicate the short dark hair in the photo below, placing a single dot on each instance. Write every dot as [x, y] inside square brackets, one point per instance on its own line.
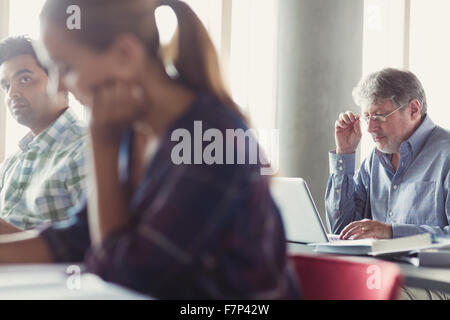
[15, 46]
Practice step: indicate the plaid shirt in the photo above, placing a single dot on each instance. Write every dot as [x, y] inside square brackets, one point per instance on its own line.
[196, 231]
[43, 179]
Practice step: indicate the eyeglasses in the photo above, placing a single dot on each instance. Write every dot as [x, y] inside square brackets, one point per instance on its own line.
[379, 117]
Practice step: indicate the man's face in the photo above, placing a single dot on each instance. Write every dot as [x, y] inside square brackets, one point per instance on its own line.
[24, 83]
[398, 127]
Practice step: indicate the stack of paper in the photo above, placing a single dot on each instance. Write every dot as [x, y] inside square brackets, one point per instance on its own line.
[376, 247]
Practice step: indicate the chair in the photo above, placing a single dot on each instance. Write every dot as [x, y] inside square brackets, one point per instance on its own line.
[334, 278]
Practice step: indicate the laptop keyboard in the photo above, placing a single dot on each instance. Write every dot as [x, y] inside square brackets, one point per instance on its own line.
[333, 237]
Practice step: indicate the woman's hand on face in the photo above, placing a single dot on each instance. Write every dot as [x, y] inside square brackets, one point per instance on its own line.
[115, 106]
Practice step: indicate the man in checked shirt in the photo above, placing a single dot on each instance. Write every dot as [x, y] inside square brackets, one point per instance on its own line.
[44, 178]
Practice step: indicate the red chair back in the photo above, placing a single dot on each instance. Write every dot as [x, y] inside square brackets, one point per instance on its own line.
[333, 278]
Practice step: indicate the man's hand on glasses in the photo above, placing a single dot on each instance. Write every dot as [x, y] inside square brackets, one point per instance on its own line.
[347, 132]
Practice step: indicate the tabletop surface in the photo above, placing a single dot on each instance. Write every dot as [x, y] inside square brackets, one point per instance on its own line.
[420, 277]
[58, 282]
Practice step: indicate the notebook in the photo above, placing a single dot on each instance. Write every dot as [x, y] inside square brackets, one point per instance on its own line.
[375, 247]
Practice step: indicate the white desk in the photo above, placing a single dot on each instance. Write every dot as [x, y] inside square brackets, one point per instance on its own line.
[57, 282]
[419, 277]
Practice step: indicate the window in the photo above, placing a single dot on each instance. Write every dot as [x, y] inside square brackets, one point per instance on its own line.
[210, 13]
[429, 55]
[253, 59]
[383, 45]
[406, 34]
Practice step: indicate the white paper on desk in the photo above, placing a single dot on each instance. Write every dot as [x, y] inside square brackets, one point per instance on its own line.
[376, 247]
[92, 288]
[51, 282]
[410, 250]
[31, 275]
[349, 243]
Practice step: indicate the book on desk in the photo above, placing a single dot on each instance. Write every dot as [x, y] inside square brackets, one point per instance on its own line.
[376, 247]
[438, 257]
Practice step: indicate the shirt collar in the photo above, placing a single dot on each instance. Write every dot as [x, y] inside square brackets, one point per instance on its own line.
[421, 134]
[50, 135]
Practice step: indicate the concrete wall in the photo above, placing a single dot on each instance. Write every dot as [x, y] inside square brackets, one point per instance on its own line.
[319, 62]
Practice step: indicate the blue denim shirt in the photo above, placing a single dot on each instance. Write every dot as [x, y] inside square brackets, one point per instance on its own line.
[414, 199]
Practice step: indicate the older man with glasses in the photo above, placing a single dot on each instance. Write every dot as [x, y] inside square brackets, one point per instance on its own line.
[403, 187]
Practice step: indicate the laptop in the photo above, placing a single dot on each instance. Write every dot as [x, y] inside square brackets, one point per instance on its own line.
[301, 218]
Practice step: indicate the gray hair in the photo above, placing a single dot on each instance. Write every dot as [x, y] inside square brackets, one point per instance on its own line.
[390, 84]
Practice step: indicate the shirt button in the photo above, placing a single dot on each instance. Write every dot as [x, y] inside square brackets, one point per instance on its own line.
[395, 187]
[390, 214]
[341, 161]
[341, 168]
[337, 190]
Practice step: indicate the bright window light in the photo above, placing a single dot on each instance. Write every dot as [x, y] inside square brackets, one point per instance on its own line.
[426, 56]
[383, 46]
[253, 60]
[429, 55]
[166, 22]
[210, 13]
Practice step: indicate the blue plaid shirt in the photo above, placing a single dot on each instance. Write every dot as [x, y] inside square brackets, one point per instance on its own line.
[197, 231]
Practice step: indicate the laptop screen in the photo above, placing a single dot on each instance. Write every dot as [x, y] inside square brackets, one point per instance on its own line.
[302, 222]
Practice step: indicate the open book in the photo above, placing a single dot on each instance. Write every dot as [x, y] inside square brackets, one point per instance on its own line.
[376, 247]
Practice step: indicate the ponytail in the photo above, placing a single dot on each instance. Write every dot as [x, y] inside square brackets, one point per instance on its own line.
[194, 56]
